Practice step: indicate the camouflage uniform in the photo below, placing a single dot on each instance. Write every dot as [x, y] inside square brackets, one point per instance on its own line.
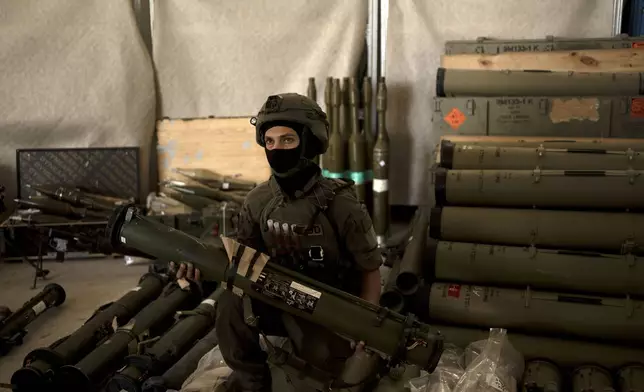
[321, 231]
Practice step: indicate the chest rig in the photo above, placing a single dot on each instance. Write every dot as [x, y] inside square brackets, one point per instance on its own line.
[300, 235]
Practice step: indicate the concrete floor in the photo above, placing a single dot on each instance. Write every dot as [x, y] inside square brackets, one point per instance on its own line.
[87, 283]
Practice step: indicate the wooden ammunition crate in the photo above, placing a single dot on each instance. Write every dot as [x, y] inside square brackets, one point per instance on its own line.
[224, 145]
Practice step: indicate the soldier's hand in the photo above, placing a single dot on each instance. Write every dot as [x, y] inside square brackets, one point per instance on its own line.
[358, 347]
[185, 271]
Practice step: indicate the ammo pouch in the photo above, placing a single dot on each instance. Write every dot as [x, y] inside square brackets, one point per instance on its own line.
[339, 273]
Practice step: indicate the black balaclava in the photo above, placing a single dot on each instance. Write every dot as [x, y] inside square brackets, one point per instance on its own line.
[294, 167]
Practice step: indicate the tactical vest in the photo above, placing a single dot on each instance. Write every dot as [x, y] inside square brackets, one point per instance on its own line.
[301, 236]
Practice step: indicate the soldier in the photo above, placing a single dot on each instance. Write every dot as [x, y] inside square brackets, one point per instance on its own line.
[305, 222]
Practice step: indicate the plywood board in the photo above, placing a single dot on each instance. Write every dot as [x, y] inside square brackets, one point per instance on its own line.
[224, 145]
[611, 60]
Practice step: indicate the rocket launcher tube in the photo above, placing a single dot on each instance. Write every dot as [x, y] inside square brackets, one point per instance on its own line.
[12, 327]
[367, 92]
[483, 157]
[483, 83]
[543, 376]
[612, 319]
[387, 332]
[358, 370]
[345, 117]
[619, 232]
[215, 180]
[408, 280]
[607, 189]
[357, 147]
[311, 90]
[335, 157]
[370, 138]
[95, 366]
[546, 269]
[390, 297]
[192, 201]
[72, 196]
[312, 93]
[103, 199]
[631, 378]
[204, 191]
[158, 358]
[39, 218]
[380, 166]
[612, 144]
[493, 46]
[592, 378]
[33, 377]
[328, 97]
[174, 377]
[55, 207]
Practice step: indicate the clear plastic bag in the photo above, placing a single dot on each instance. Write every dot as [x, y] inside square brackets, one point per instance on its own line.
[511, 361]
[496, 367]
[210, 375]
[447, 373]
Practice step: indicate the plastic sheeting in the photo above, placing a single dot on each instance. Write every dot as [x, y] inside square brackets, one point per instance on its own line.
[223, 58]
[416, 33]
[72, 74]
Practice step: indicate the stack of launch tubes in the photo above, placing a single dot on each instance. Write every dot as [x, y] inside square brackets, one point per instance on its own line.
[151, 339]
[534, 226]
[544, 238]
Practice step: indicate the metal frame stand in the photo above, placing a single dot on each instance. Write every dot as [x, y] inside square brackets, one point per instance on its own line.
[39, 270]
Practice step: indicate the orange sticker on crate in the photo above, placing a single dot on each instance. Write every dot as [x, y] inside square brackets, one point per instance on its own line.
[638, 45]
[637, 107]
[455, 118]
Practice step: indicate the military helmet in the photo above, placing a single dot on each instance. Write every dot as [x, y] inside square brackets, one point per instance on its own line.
[295, 108]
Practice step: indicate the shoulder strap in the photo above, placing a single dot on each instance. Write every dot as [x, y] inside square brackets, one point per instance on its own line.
[268, 207]
[342, 183]
[323, 195]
